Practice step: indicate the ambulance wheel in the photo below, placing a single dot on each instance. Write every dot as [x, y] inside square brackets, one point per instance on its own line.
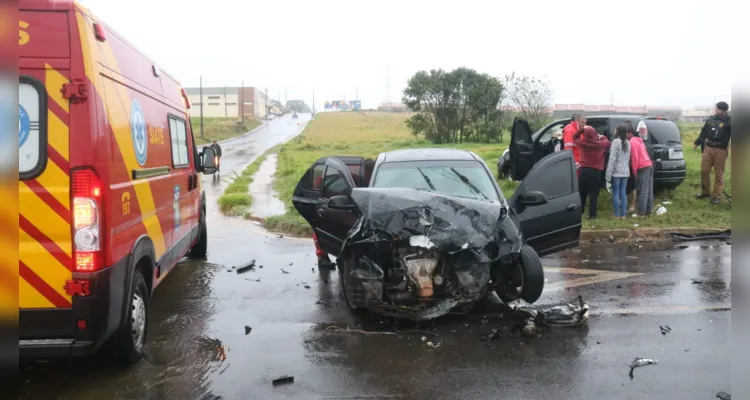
[200, 249]
[127, 346]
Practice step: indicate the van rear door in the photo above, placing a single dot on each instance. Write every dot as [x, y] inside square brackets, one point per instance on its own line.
[44, 221]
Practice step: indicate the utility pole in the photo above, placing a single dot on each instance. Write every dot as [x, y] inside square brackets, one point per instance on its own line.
[313, 104]
[201, 95]
[226, 113]
[266, 103]
[242, 101]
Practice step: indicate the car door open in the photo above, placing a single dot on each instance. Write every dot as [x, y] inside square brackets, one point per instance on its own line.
[521, 149]
[547, 205]
[327, 178]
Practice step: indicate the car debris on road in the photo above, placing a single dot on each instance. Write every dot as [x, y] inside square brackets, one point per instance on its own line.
[553, 315]
[640, 362]
[283, 380]
[247, 267]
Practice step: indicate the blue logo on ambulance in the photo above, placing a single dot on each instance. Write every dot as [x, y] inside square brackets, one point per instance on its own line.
[24, 126]
[138, 130]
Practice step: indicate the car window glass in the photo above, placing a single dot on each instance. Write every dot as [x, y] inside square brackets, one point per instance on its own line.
[554, 181]
[440, 175]
[663, 132]
[601, 126]
[334, 184]
[552, 131]
[317, 176]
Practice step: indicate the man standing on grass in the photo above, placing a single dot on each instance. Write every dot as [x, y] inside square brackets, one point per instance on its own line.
[715, 135]
[576, 125]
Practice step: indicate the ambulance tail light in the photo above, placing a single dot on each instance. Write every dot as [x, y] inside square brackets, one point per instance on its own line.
[185, 97]
[86, 188]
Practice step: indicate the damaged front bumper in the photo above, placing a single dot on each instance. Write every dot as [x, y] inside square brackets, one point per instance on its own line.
[418, 255]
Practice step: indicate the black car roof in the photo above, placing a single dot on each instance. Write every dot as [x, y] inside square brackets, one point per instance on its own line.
[427, 154]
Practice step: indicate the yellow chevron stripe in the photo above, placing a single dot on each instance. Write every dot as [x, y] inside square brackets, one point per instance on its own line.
[58, 135]
[28, 297]
[117, 103]
[57, 184]
[44, 264]
[54, 81]
[44, 218]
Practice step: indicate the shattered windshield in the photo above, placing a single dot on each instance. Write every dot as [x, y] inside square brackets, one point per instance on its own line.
[439, 177]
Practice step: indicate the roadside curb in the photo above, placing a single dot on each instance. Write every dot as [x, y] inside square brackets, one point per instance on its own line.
[596, 235]
[645, 233]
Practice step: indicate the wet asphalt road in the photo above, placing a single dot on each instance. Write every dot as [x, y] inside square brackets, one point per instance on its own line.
[205, 306]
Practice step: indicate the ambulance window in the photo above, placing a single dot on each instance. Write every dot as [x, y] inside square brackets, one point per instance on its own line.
[32, 135]
[178, 135]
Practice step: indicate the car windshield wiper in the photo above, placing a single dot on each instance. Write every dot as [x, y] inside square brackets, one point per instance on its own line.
[469, 183]
[426, 179]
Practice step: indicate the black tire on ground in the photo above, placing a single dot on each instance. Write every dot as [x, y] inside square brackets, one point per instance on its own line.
[529, 269]
[344, 263]
[200, 248]
[127, 345]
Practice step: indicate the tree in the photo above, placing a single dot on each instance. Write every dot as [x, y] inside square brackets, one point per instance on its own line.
[454, 107]
[530, 96]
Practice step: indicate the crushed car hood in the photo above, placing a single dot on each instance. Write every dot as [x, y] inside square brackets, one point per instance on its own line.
[427, 219]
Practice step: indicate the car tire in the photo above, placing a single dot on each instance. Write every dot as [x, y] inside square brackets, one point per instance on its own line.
[529, 269]
[344, 263]
[127, 345]
[200, 248]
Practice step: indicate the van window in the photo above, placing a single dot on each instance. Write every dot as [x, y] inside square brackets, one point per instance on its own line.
[32, 135]
[663, 132]
[178, 135]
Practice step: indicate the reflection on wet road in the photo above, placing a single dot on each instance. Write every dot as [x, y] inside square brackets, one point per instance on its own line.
[203, 308]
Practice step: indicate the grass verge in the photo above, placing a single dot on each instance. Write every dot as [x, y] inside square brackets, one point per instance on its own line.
[220, 128]
[236, 198]
[369, 133]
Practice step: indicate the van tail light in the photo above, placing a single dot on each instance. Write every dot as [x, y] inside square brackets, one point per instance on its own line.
[185, 97]
[99, 32]
[86, 188]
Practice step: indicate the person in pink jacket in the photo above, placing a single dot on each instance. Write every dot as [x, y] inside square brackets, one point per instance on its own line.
[643, 172]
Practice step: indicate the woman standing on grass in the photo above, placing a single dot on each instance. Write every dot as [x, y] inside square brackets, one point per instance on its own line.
[618, 171]
[643, 171]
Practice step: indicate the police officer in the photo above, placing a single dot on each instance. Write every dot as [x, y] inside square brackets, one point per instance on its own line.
[715, 135]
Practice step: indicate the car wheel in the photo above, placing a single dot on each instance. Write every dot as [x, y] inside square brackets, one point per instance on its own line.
[344, 263]
[524, 279]
[128, 344]
[200, 248]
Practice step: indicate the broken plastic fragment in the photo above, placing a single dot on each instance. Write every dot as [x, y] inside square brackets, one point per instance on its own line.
[247, 267]
[723, 396]
[433, 345]
[640, 362]
[283, 380]
[564, 314]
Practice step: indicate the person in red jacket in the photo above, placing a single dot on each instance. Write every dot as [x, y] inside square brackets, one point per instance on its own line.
[591, 147]
[577, 122]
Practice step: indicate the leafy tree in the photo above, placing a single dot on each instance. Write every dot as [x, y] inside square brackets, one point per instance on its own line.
[531, 96]
[454, 107]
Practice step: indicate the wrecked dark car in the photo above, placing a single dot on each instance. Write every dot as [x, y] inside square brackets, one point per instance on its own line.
[431, 230]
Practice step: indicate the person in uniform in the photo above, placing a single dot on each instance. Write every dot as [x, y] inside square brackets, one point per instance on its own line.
[715, 135]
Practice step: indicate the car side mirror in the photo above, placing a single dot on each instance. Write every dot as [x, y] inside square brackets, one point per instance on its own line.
[534, 198]
[340, 203]
[208, 160]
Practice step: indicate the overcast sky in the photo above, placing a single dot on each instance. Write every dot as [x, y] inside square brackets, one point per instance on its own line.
[635, 52]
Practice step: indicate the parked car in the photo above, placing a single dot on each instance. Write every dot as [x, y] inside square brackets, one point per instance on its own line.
[294, 116]
[663, 142]
[432, 230]
[110, 196]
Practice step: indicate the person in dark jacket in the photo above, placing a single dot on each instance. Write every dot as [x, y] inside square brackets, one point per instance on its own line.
[715, 136]
[591, 147]
[217, 150]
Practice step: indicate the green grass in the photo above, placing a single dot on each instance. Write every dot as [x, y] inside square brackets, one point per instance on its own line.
[367, 134]
[236, 198]
[220, 129]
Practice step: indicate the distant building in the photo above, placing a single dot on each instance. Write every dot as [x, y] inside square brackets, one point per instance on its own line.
[393, 107]
[697, 114]
[226, 102]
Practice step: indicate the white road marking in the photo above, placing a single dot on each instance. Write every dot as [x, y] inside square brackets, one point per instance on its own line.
[665, 310]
